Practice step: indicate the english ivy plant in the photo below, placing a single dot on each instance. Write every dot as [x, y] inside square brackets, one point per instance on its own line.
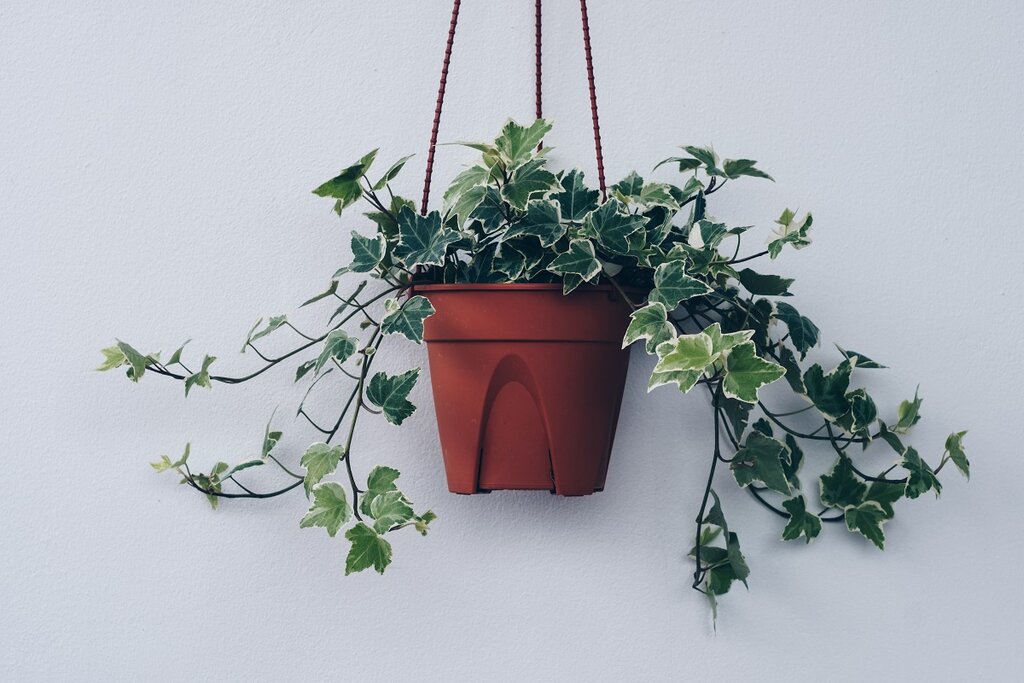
[713, 324]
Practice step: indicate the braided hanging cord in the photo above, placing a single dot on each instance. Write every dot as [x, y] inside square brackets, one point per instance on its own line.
[439, 105]
[593, 99]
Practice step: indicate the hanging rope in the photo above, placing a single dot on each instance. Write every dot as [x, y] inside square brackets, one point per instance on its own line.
[440, 103]
[593, 100]
[537, 50]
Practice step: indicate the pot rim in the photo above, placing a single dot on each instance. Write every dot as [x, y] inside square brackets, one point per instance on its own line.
[506, 286]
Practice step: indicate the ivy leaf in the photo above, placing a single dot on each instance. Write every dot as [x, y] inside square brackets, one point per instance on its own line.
[345, 186]
[422, 240]
[790, 231]
[387, 221]
[828, 392]
[722, 342]
[686, 352]
[765, 285]
[469, 178]
[467, 203]
[630, 186]
[390, 174]
[176, 356]
[367, 252]
[575, 201]
[272, 325]
[921, 477]
[390, 509]
[368, 550]
[517, 143]
[201, 378]
[270, 440]
[319, 460]
[802, 332]
[841, 488]
[529, 181]
[579, 260]
[862, 412]
[651, 324]
[867, 519]
[113, 357]
[734, 168]
[390, 393]
[541, 221]
[787, 359]
[136, 360]
[801, 522]
[746, 372]
[791, 465]
[885, 494]
[908, 414]
[760, 459]
[165, 463]
[859, 360]
[330, 508]
[612, 226]
[672, 285]
[738, 414]
[955, 448]
[337, 345]
[423, 521]
[406, 319]
[706, 156]
[381, 480]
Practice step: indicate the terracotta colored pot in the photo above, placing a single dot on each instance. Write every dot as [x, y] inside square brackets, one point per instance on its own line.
[527, 384]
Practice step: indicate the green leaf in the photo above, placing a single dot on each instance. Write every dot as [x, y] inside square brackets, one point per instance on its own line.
[790, 231]
[424, 520]
[345, 186]
[630, 186]
[921, 478]
[422, 240]
[176, 356]
[794, 376]
[612, 226]
[272, 324]
[859, 360]
[368, 550]
[722, 342]
[765, 285]
[330, 508]
[863, 412]
[136, 360]
[801, 522]
[390, 509]
[802, 332]
[672, 285]
[390, 174]
[908, 414]
[319, 460]
[651, 324]
[688, 352]
[517, 143]
[468, 179]
[841, 487]
[529, 181]
[828, 392]
[867, 519]
[541, 221]
[367, 252]
[760, 459]
[270, 440]
[791, 465]
[338, 346]
[406, 319]
[955, 448]
[746, 372]
[576, 201]
[885, 494]
[706, 156]
[201, 378]
[734, 168]
[390, 393]
[331, 289]
[165, 463]
[579, 260]
[381, 480]
[113, 357]
[738, 414]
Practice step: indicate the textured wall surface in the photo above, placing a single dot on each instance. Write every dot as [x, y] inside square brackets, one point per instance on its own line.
[155, 167]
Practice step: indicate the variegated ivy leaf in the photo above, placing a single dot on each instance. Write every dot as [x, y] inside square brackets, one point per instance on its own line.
[391, 173]
[760, 459]
[791, 231]
[633, 190]
[921, 478]
[368, 550]
[746, 372]
[272, 324]
[841, 487]
[467, 203]
[509, 261]
[861, 415]
[381, 480]
[682, 361]
[628, 186]
[390, 394]
[135, 360]
[859, 360]
[613, 226]
[765, 285]
[422, 240]
[828, 392]
[801, 522]
[885, 494]
[201, 378]
[165, 462]
[330, 508]
[955, 449]
[345, 187]
[734, 168]
[579, 260]
[517, 143]
[468, 178]
[337, 346]
[529, 181]
[908, 414]
[367, 252]
[672, 285]
[319, 460]
[721, 342]
[802, 332]
[541, 221]
[575, 201]
[390, 509]
[867, 519]
[651, 324]
[406, 319]
[707, 157]
[113, 357]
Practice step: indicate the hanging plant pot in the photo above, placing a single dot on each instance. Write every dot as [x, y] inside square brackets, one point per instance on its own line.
[527, 384]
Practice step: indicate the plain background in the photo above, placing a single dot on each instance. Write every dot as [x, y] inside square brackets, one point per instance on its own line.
[156, 161]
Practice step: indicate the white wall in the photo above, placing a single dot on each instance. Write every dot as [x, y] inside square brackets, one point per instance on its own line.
[155, 167]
